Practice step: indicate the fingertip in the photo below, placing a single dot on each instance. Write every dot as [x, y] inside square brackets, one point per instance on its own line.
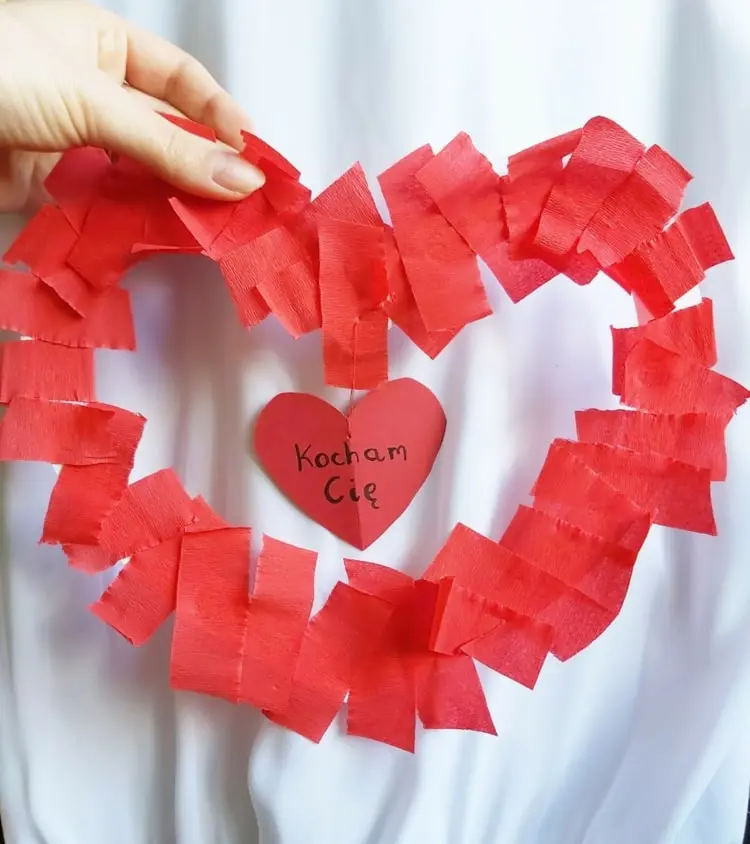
[231, 172]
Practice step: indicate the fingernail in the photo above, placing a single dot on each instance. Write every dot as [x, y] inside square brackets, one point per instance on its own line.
[234, 173]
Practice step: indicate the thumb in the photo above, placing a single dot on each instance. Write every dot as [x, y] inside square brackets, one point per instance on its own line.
[122, 124]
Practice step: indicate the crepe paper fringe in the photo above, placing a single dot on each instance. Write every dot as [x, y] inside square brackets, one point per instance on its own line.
[401, 649]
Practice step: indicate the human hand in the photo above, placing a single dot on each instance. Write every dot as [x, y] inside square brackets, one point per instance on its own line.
[72, 74]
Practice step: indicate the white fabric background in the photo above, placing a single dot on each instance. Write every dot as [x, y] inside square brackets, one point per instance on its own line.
[642, 739]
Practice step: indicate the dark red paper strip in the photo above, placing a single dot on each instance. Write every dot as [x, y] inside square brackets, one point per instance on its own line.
[276, 623]
[212, 607]
[38, 370]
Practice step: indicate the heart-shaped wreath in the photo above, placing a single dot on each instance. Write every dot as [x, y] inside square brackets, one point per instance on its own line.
[593, 199]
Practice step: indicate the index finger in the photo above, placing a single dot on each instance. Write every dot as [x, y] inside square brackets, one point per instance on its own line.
[163, 70]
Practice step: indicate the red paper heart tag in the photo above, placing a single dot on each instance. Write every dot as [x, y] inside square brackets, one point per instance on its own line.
[354, 474]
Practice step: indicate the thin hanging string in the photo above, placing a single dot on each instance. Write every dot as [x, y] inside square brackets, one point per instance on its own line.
[355, 328]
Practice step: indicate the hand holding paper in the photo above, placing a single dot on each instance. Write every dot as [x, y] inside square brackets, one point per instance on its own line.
[74, 75]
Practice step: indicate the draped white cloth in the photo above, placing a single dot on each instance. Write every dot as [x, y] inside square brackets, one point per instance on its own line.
[644, 738]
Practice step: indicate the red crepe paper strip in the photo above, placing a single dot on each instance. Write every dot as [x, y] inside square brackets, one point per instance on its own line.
[382, 699]
[85, 495]
[38, 370]
[279, 611]
[663, 381]
[82, 499]
[44, 246]
[544, 154]
[463, 185]
[450, 695]
[347, 199]
[594, 566]
[695, 438]
[275, 268]
[261, 154]
[577, 621]
[482, 566]
[190, 126]
[282, 187]
[509, 643]
[461, 616]
[677, 494]
[76, 180]
[44, 243]
[152, 510]
[491, 570]
[516, 647]
[102, 253]
[382, 582]
[31, 307]
[144, 593]
[208, 219]
[212, 607]
[524, 197]
[53, 432]
[520, 277]
[689, 331]
[638, 209]
[382, 702]
[570, 489]
[74, 290]
[441, 268]
[664, 269]
[603, 159]
[402, 308]
[704, 233]
[336, 641]
[353, 286]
